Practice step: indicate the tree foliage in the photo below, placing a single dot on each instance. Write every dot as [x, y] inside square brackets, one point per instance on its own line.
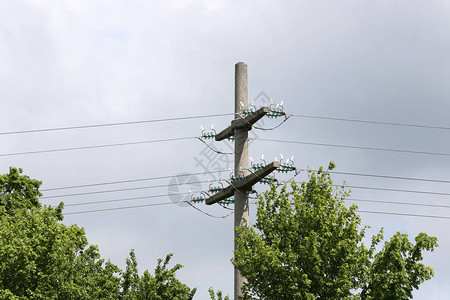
[162, 285]
[218, 294]
[306, 244]
[41, 258]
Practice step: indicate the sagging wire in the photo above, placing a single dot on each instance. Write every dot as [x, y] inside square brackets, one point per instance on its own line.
[286, 117]
[210, 215]
[215, 150]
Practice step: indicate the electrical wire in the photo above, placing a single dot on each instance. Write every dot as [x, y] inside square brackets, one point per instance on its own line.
[403, 214]
[127, 199]
[224, 206]
[286, 117]
[130, 180]
[167, 203]
[372, 122]
[393, 213]
[400, 214]
[106, 201]
[385, 176]
[217, 151]
[223, 170]
[125, 189]
[210, 215]
[98, 146]
[375, 176]
[351, 147]
[93, 211]
[391, 190]
[213, 115]
[114, 124]
[399, 203]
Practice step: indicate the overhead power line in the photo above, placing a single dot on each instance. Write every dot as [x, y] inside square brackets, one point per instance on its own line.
[113, 124]
[351, 147]
[127, 199]
[391, 190]
[227, 170]
[402, 214]
[99, 146]
[372, 122]
[94, 210]
[168, 203]
[204, 181]
[398, 203]
[194, 137]
[131, 180]
[386, 176]
[123, 190]
[120, 208]
[210, 116]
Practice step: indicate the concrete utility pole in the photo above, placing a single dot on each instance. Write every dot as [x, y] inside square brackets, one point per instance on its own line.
[240, 188]
[240, 162]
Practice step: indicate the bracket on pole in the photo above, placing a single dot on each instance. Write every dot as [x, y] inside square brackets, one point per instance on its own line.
[245, 122]
[244, 184]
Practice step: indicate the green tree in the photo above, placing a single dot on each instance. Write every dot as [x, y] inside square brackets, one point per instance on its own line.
[160, 286]
[219, 295]
[18, 192]
[41, 258]
[306, 244]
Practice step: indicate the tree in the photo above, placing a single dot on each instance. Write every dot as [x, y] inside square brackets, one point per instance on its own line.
[163, 285]
[18, 192]
[41, 258]
[306, 244]
[219, 295]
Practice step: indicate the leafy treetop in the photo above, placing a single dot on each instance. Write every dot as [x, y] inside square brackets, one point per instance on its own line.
[306, 244]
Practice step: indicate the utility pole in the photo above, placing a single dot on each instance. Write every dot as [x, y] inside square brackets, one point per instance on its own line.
[239, 129]
[243, 182]
[240, 162]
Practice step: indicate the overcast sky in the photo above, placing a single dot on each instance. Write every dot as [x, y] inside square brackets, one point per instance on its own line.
[70, 63]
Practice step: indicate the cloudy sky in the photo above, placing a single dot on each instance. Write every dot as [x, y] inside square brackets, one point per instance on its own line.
[73, 63]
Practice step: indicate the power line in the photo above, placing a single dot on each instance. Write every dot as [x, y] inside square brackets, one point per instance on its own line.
[167, 203]
[391, 190]
[94, 210]
[399, 203]
[155, 204]
[351, 147]
[120, 208]
[113, 124]
[210, 116]
[215, 150]
[106, 201]
[372, 122]
[402, 214]
[210, 215]
[122, 190]
[169, 194]
[130, 180]
[185, 193]
[99, 146]
[204, 181]
[126, 199]
[385, 176]
[224, 170]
